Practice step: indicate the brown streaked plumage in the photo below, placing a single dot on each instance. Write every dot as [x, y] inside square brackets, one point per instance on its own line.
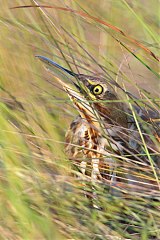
[105, 134]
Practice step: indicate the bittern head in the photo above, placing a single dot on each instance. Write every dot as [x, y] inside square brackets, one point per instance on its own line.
[92, 95]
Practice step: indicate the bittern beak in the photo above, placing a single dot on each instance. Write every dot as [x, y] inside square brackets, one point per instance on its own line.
[76, 97]
[59, 72]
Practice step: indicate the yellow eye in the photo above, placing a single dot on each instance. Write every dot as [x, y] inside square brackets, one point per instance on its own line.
[97, 90]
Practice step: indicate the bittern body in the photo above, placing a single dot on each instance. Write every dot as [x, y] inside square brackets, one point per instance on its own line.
[105, 130]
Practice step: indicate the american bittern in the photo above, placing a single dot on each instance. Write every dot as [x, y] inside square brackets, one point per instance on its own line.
[105, 131]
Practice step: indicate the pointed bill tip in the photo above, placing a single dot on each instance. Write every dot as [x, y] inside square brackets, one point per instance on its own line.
[54, 64]
[48, 61]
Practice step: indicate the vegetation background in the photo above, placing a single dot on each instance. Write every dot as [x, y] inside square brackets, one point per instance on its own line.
[40, 199]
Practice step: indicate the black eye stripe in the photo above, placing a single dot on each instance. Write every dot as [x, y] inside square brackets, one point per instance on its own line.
[91, 87]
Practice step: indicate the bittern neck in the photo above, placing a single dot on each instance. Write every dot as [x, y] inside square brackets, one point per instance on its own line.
[112, 113]
[86, 112]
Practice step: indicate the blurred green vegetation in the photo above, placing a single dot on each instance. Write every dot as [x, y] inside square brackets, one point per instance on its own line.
[40, 199]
